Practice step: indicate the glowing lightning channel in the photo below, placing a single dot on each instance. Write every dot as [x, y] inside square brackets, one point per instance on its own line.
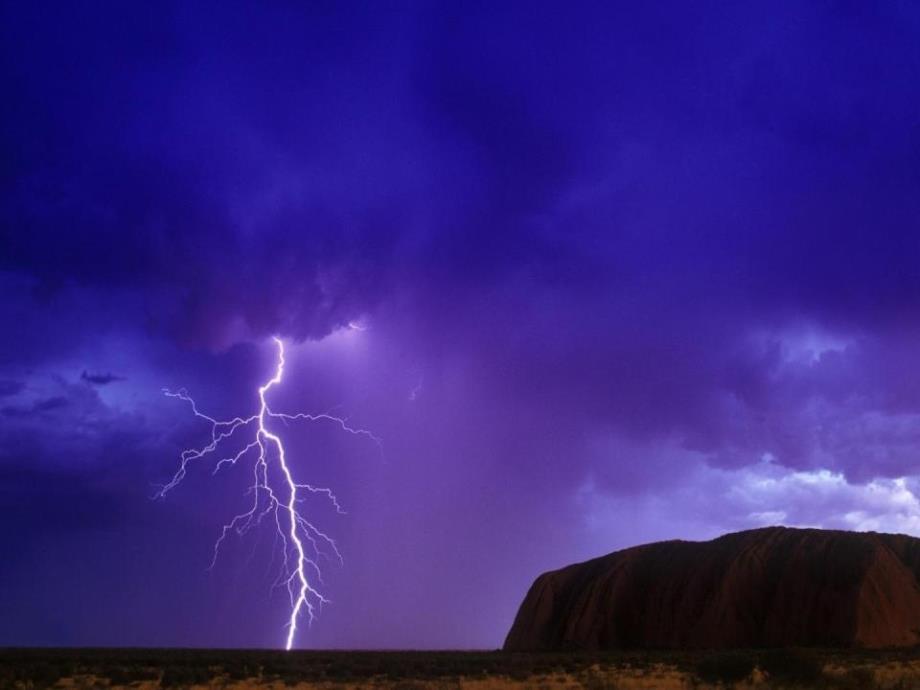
[294, 529]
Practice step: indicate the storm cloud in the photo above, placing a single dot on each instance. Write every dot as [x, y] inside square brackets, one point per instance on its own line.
[602, 258]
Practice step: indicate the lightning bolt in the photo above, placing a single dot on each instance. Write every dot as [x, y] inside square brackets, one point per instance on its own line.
[275, 494]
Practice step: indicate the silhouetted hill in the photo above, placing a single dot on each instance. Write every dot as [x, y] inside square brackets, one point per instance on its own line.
[768, 587]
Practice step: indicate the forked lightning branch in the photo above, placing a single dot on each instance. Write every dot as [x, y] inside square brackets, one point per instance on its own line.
[277, 495]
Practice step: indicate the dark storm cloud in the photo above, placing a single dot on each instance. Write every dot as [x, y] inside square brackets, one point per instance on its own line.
[40, 406]
[100, 379]
[739, 157]
[632, 251]
[150, 174]
[61, 430]
[8, 388]
[50, 404]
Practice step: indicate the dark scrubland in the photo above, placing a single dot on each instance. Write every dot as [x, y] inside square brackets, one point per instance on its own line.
[408, 670]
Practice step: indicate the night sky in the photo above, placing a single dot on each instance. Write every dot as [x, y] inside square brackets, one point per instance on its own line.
[596, 274]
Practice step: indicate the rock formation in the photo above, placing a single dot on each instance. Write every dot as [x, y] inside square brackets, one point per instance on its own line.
[770, 587]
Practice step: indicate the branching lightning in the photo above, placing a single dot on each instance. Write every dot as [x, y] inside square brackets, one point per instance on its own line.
[275, 494]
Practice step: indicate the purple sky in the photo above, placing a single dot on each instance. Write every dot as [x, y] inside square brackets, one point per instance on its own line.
[624, 272]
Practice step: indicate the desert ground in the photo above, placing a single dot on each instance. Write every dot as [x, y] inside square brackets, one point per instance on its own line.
[308, 670]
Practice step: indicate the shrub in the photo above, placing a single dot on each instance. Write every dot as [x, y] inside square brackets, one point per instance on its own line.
[724, 668]
[47, 675]
[859, 678]
[791, 666]
[241, 672]
[595, 680]
[120, 675]
[184, 676]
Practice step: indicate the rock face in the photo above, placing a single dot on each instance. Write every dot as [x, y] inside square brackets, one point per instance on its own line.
[769, 587]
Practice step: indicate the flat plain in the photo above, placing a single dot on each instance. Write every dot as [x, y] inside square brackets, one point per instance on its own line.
[150, 669]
